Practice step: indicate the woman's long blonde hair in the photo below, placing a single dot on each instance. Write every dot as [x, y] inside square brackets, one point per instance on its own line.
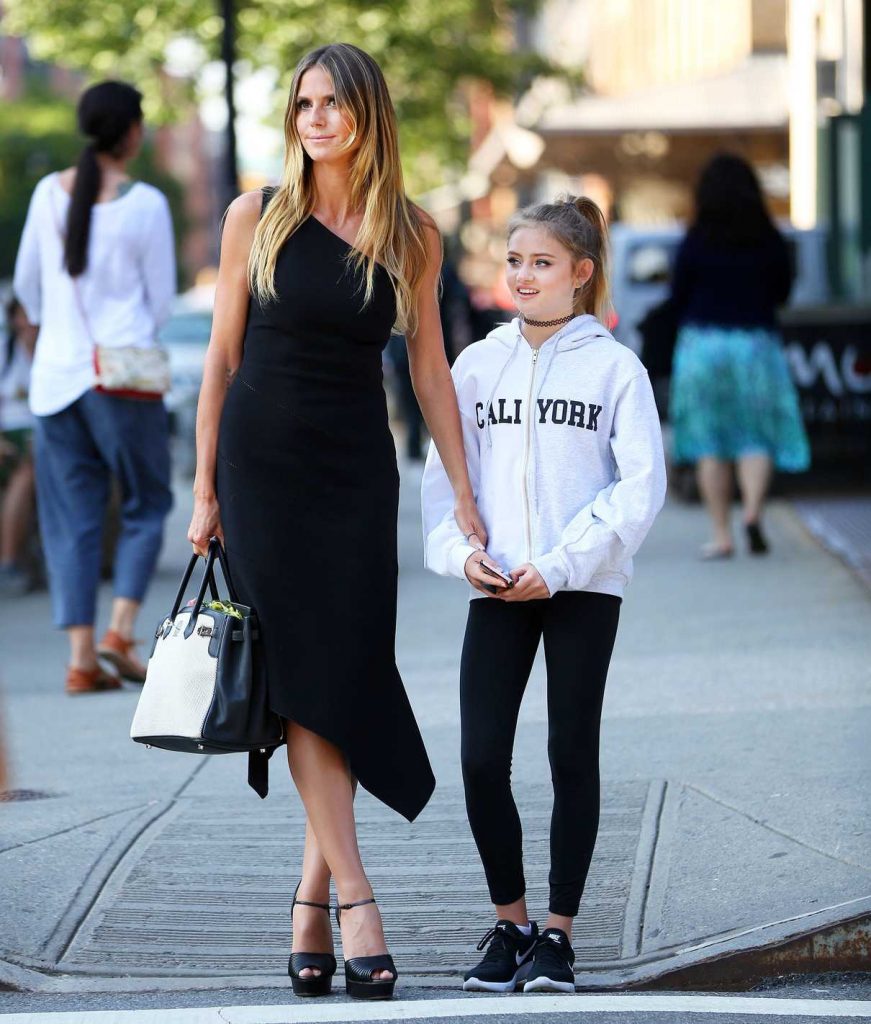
[579, 224]
[391, 232]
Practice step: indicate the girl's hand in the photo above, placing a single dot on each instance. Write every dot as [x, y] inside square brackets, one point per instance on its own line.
[470, 522]
[480, 580]
[205, 524]
[528, 585]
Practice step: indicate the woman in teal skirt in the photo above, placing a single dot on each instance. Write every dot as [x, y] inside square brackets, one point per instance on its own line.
[733, 401]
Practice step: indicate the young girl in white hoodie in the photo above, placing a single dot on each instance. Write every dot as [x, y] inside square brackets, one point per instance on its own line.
[565, 457]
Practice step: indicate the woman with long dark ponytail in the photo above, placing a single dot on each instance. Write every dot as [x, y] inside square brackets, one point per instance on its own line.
[733, 402]
[96, 268]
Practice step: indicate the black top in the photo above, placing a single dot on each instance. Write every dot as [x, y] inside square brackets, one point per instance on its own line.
[731, 285]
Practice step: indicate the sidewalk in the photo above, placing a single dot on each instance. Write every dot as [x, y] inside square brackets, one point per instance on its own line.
[734, 761]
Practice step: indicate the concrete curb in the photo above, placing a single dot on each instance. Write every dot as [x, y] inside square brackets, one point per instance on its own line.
[840, 934]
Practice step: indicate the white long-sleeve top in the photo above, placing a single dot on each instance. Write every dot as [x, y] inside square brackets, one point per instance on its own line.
[126, 290]
[565, 458]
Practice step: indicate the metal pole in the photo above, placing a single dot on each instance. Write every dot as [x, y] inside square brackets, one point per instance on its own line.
[230, 177]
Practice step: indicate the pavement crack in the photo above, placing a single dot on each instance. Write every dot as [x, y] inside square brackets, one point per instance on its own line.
[72, 828]
[178, 793]
[657, 830]
[101, 873]
[778, 831]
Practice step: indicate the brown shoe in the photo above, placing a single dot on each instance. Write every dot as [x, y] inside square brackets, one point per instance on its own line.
[119, 653]
[95, 680]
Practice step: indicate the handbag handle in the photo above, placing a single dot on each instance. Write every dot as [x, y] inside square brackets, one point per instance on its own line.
[215, 550]
[225, 568]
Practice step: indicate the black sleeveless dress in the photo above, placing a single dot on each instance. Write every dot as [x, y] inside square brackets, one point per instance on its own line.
[308, 489]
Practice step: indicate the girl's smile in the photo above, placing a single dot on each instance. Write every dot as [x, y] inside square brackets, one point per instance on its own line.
[541, 273]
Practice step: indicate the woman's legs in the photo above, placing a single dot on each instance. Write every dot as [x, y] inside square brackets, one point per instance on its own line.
[133, 439]
[73, 489]
[498, 652]
[579, 633]
[312, 929]
[16, 512]
[320, 773]
[715, 484]
[754, 476]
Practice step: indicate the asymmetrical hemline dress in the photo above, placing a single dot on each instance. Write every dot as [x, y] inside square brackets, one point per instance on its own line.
[308, 489]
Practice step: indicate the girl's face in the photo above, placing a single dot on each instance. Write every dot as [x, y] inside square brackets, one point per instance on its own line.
[542, 274]
[322, 127]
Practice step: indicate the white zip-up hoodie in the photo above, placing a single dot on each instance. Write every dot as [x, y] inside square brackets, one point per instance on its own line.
[565, 458]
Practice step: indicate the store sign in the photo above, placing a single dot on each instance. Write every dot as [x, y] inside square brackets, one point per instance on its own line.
[831, 367]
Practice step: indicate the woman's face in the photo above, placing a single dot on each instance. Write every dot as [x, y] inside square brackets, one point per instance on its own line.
[322, 127]
[542, 274]
[132, 143]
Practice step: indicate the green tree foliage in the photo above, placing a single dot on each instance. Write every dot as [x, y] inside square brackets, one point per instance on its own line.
[37, 136]
[427, 49]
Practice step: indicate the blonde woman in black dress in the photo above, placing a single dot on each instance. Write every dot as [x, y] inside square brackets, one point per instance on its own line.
[296, 471]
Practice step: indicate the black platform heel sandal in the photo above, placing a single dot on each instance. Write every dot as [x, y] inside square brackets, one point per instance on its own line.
[359, 971]
[315, 984]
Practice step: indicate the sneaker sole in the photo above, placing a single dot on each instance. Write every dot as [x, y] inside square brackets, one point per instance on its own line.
[542, 984]
[477, 985]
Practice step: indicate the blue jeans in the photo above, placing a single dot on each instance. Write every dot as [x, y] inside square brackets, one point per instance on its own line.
[78, 451]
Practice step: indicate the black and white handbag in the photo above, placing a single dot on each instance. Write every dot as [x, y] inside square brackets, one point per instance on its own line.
[205, 688]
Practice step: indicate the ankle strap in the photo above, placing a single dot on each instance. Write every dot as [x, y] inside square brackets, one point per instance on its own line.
[350, 906]
[359, 903]
[308, 903]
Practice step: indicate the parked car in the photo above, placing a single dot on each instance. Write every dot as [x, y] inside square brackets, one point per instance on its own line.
[186, 337]
[642, 260]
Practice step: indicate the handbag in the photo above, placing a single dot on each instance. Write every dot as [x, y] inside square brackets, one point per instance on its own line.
[130, 371]
[205, 688]
[658, 331]
[127, 371]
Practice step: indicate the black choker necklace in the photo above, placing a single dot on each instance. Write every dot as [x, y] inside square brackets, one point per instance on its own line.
[547, 323]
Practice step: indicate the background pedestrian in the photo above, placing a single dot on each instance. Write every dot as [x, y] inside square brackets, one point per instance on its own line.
[16, 457]
[732, 397]
[96, 267]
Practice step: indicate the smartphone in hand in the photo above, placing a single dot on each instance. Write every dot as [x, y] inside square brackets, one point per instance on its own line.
[496, 574]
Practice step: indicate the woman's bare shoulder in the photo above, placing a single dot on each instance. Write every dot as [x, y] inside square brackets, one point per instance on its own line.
[240, 221]
[245, 209]
[425, 219]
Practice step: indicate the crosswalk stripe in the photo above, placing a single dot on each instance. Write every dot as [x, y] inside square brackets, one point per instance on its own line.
[433, 1009]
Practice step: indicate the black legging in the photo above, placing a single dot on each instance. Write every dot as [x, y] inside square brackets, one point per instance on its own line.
[501, 640]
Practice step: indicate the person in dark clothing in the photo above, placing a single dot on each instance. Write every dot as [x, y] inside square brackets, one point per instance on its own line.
[732, 398]
[397, 352]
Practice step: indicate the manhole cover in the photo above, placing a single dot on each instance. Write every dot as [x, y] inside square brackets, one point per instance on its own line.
[207, 891]
[18, 796]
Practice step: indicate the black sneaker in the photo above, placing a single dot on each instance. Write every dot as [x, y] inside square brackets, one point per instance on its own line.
[506, 962]
[552, 964]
